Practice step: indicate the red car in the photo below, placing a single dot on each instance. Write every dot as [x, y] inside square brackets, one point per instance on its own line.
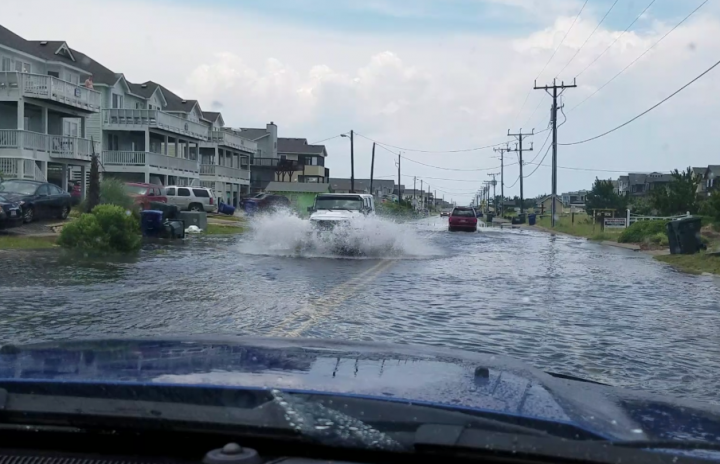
[463, 218]
[143, 194]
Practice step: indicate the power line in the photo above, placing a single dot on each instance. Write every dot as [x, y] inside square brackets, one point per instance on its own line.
[541, 148]
[616, 38]
[325, 140]
[454, 169]
[638, 58]
[430, 151]
[647, 110]
[563, 39]
[549, 60]
[514, 183]
[588, 38]
[540, 163]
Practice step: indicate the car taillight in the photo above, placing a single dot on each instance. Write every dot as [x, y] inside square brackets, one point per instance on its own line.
[211, 200]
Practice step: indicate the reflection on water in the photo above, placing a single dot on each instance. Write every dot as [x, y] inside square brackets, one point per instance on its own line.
[559, 303]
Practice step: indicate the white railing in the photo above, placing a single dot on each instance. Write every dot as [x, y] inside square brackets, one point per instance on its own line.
[131, 119]
[230, 139]
[144, 158]
[10, 169]
[631, 218]
[52, 88]
[57, 146]
[235, 173]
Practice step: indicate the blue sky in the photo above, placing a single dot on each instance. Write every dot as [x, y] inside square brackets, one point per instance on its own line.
[427, 74]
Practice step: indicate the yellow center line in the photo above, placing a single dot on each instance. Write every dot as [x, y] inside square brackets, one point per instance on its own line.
[335, 297]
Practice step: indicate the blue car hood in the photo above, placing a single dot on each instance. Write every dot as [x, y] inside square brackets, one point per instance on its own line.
[458, 379]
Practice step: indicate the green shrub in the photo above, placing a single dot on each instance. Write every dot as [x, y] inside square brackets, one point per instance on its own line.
[109, 228]
[640, 230]
[658, 239]
[112, 192]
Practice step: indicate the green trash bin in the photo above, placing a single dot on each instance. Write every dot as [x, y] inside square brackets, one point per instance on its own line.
[684, 236]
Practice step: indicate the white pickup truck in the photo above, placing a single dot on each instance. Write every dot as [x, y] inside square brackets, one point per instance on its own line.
[331, 209]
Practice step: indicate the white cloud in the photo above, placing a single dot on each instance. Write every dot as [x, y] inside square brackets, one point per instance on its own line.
[433, 91]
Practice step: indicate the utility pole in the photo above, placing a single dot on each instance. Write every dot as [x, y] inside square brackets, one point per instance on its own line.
[352, 162]
[494, 183]
[399, 191]
[554, 87]
[435, 200]
[415, 192]
[372, 168]
[502, 176]
[422, 195]
[520, 136]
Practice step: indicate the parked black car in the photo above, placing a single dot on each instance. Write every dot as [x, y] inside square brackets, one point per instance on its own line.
[10, 212]
[36, 199]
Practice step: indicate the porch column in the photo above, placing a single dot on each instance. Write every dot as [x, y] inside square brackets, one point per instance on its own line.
[44, 119]
[147, 140]
[165, 179]
[83, 127]
[216, 158]
[165, 151]
[44, 169]
[21, 114]
[83, 179]
[177, 148]
[64, 178]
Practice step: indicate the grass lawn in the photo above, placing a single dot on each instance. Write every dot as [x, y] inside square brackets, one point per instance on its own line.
[14, 242]
[216, 229]
[693, 264]
[580, 228]
[223, 217]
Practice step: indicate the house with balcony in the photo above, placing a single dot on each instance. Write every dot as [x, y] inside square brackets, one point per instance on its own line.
[265, 160]
[308, 160]
[380, 187]
[150, 134]
[45, 105]
[225, 160]
[574, 198]
[711, 179]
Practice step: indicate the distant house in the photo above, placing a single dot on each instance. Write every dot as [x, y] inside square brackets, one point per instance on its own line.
[544, 205]
[623, 185]
[640, 184]
[380, 186]
[699, 174]
[574, 198]
[710, 177]
[300, 194]
[308, 160]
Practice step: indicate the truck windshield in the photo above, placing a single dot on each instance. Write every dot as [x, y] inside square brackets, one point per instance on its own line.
[349, 203]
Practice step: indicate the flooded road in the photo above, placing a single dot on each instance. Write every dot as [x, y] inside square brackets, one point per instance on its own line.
[559, 303]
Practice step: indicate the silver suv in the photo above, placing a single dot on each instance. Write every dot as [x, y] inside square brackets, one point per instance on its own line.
[191, 198]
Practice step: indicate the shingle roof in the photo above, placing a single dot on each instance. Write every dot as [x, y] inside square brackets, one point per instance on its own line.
[289, 145]
[699, 171]
[174, 101]
[253, 134]
[297, 187]
[211, 115]
[145, 90]
[714, 169]
[45, 49]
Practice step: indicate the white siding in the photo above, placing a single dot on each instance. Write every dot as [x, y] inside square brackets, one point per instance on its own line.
[93, 128]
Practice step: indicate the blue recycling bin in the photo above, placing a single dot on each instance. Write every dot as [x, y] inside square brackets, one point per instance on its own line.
[151, 223]
[531, 219]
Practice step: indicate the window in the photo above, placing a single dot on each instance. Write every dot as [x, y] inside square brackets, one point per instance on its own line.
[55, 190]
[72, 78]
[43, 190]
[54, 74]
[23, 67]
[113, 142]
[463, 212]
[117, 101]
[6, 64]
[170, 191]
[183, 192]
[201, 193]
[70, 127]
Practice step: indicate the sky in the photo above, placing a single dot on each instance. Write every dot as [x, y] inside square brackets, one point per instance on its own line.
[437, 78]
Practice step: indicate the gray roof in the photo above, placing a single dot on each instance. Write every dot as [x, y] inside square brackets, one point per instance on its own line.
[297, 187]
[211, 115]
[46, 49]
[300, 146]
[174, 101]
[659, 177]
[361, 184]
[714, 169]
[253, 134]
[145, 90]
[699, 171]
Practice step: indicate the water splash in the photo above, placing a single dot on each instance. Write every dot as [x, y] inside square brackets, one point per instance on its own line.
[285, 234]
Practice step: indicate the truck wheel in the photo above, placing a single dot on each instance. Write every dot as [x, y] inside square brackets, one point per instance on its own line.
[195, 207]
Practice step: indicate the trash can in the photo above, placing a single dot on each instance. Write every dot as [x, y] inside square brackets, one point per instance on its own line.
[151, 223]
[489, 217]
[194, 218]
[224, 208]
[174, 229]
[531, 219]
[169, 211]
[684, 236]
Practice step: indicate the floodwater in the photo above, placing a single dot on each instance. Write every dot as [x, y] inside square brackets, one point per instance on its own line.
[558, 303]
